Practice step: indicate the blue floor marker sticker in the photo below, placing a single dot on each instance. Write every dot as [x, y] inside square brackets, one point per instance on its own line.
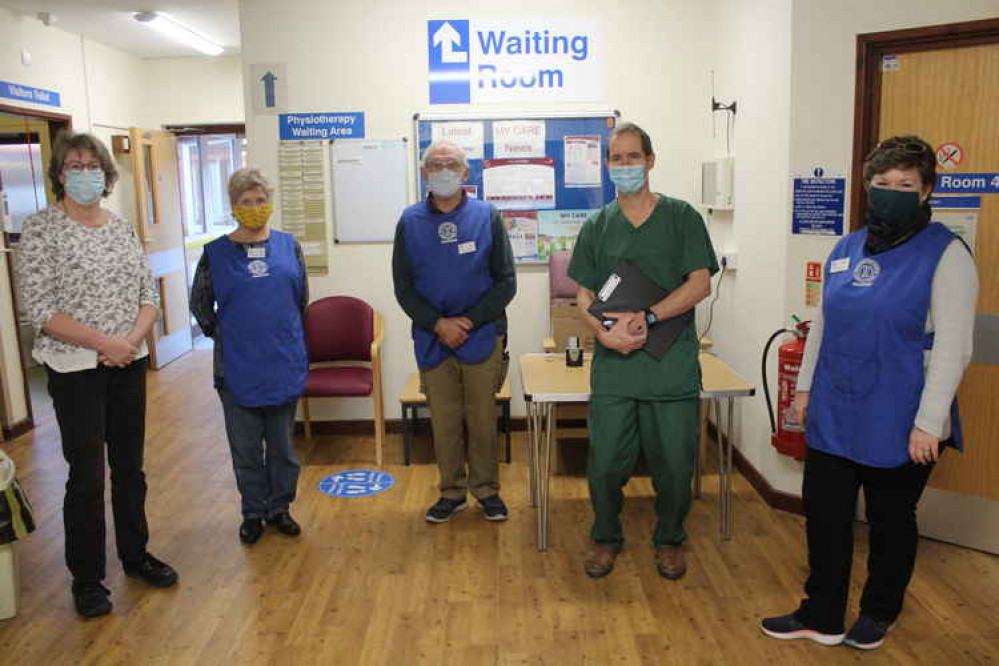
[356, 483]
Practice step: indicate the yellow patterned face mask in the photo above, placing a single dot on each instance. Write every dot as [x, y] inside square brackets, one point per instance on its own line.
[253, 217]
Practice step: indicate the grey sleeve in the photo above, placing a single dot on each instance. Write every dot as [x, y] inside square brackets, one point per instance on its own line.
[812, 347]
[300, 256]
[952, 321]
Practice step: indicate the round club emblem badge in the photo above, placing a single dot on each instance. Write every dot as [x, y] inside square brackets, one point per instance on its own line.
[448, 232]
[866, 272]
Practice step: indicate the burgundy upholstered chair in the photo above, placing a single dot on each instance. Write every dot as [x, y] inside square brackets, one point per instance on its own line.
[341, 329]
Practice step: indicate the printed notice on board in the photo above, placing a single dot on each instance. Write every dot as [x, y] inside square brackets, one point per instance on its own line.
[522, 229]
[524, 184]
[582, 161]
[818, 206]
[518, 138]
[558, 229]
[466, 134]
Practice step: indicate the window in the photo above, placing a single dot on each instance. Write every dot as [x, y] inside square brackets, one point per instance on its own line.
[206, 163]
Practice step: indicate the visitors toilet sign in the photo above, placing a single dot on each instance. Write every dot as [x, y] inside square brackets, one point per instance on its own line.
[513, 60]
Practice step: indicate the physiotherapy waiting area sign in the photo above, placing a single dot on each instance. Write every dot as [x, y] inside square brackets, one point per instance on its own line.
[479, 62]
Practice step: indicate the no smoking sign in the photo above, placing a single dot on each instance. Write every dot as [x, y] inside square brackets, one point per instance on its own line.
[950, 155]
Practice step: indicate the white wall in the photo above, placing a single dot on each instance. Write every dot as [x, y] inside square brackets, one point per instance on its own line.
[752, 65]
[371, 57]
[196, 90]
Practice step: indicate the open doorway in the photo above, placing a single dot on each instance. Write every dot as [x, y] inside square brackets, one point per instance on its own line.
[25, 148]
[207, 156]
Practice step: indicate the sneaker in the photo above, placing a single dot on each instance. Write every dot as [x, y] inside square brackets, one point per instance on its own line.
[250, 531]
[152, 570]
[442, 511]
[867, 633]
[493, 508]
[91, 599]
[789, 626]
[285, 524]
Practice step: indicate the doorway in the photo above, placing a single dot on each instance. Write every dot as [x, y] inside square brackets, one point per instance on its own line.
[942, 83]
[25, 149]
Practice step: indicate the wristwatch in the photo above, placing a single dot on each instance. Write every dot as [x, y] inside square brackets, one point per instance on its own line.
[650, 316]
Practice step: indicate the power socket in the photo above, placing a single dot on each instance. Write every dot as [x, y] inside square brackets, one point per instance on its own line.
[729, 260]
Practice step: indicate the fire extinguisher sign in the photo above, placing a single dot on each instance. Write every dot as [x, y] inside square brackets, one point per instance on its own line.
[813, 283]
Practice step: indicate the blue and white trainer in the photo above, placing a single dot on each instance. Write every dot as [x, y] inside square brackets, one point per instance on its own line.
[867, 633]
[787, 627]
[442, 511]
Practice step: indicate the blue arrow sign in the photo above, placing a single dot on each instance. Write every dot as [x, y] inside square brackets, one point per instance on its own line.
[448, 46]
[269, 80]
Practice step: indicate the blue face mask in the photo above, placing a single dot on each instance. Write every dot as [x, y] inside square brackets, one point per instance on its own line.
[627, 179]
[85, 187]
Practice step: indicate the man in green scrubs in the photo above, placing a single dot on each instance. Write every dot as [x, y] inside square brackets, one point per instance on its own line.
[638, 402]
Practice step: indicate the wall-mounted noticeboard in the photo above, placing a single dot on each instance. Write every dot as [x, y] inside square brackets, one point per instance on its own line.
[546, 173]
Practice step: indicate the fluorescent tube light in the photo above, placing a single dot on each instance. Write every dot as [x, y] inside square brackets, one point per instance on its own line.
[165, 25]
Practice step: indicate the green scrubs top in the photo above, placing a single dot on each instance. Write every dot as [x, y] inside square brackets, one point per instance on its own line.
[671, 244]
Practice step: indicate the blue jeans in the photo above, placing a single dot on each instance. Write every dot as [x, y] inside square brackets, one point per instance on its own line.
[263, 455]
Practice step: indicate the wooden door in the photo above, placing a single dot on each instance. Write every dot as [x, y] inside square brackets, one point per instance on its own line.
[160, 225]
[949, 96]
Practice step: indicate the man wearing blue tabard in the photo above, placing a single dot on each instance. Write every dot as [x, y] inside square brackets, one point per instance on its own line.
[453, 270]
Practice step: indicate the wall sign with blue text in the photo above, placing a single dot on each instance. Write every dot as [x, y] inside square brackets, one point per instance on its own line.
[967, 183]
[29, 94]
[818, 206]
[514, 60]
[356, 483]
[330, 125]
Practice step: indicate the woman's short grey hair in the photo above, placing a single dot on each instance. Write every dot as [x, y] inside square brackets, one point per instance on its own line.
[247, 179]
[68, 141]
[438, 145]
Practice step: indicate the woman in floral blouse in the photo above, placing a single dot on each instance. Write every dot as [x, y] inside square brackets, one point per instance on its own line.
[88, 291]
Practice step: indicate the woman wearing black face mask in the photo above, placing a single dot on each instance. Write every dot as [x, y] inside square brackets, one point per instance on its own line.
[881, 370]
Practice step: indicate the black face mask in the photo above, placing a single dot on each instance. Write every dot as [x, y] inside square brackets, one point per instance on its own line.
[893, 217]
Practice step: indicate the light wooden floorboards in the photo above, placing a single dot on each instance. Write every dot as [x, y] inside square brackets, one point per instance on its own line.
[370, 582]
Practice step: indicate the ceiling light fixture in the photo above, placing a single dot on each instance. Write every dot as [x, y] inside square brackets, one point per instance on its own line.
[165, 25]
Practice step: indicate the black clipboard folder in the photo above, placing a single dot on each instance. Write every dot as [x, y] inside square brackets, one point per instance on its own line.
[628, 290]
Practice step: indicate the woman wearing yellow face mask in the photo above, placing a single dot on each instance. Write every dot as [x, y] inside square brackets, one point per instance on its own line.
[249, 295]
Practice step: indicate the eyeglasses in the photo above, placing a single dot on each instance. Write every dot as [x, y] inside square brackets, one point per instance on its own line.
[79, 167]
[913, 148]
[451, 165]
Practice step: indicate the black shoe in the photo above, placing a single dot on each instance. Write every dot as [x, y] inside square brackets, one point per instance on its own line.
[91, 599]
[251, 530]
[493, 508]
[789, 626]
[285, 524]
[867, 633]
[442, 511]
[153, 571]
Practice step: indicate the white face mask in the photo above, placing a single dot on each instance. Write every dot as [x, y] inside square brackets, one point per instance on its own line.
[444, 183]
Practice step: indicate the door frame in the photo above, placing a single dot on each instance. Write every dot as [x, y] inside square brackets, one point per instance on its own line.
[871, 48]
[56, 122]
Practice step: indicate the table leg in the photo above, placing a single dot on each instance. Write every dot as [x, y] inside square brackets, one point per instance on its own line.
[730, 430]
[702, 438]
[507, 428]
[407, 431]
[544, 472]
[532, 453]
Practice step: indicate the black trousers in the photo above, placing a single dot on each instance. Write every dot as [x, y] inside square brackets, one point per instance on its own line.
[830, 497]
[97, 408]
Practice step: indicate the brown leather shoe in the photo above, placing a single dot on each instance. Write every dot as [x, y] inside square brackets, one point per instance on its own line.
[599, 561]
[670, 563]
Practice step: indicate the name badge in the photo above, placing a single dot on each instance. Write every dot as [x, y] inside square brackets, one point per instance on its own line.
[839, 265]
[256, 252]
[612, 282]
[465, 248]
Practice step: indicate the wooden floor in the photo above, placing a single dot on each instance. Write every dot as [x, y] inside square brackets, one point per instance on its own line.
[370, 582]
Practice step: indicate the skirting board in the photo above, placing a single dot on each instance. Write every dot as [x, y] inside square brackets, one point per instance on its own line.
[15, 430]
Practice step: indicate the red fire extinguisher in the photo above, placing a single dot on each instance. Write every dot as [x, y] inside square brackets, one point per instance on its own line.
[787, 434]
